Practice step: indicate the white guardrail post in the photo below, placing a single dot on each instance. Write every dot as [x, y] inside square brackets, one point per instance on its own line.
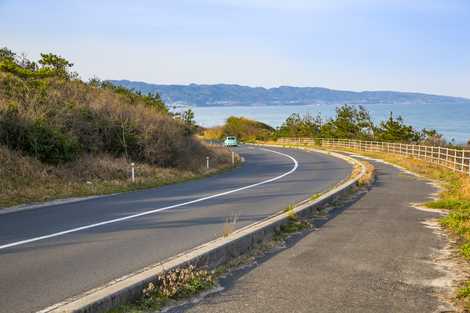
[133, 172]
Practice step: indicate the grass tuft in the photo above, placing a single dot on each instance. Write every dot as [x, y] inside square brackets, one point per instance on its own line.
[174, 285]
[464, 292]
[314, 196]
[369, 175]
[295, 224]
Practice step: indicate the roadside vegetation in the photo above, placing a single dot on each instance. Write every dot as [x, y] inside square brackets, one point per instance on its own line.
[244, 129]
[369, 175]
[174, 285]
[350, 122]
[61, 137]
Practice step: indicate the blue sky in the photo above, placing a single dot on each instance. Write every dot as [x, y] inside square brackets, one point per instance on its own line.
[418, 45]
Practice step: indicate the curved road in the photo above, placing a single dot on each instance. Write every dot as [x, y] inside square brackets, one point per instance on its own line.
[54, 252]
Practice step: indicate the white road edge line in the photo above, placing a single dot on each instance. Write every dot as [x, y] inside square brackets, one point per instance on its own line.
[116, 220]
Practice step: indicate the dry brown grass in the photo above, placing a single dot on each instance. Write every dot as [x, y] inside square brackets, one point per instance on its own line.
[25, 180]
[456, 186]
[214, 133]
[369, 175]
[63, 137]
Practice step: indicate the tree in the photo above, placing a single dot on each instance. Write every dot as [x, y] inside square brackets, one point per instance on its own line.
[394, 129]
[154, 100]
[55, 64]
[349, 122]
[432, 137]
[300, 126]
[7, 54]
[188, 118]
[51, 66]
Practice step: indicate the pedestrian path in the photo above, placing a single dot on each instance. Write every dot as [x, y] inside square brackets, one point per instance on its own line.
[373, 256]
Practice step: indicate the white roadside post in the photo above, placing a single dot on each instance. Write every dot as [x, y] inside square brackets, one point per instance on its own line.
[233, 158]
[133, 172]
[207, 162]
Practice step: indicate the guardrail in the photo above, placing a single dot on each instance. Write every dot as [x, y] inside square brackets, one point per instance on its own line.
[453, 159]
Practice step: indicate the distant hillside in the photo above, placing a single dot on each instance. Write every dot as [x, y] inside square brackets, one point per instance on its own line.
[223, 94]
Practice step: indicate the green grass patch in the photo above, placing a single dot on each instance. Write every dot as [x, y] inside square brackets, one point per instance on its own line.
[449, 204]
[465, 250]
[464, 292]
[294, 226]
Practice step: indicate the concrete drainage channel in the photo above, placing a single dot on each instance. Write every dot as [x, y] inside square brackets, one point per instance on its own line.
[207, 256]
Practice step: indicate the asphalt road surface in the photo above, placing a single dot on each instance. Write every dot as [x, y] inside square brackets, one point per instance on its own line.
[371, 255]
[50, 253]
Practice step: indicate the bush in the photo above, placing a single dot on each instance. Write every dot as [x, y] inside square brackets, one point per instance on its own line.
[55, 118]
[247, 130]
[37, 139]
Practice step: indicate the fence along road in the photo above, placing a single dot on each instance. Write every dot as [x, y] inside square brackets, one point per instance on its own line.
[457, 160]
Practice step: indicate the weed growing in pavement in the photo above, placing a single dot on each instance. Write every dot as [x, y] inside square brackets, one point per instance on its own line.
[291, 213]
[314, 196]
[369, 175]
[294, 225]
[176, 284]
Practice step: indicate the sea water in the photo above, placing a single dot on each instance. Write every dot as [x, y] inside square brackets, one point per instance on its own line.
[451, 120]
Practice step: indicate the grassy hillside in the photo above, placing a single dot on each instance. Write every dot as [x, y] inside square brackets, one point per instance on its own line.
[60, 136]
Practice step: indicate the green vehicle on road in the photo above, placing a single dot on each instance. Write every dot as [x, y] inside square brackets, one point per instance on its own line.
[231, 141]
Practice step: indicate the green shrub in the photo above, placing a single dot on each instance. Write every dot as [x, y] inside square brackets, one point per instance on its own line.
[37, 139]
[56, 118]
[49, 144]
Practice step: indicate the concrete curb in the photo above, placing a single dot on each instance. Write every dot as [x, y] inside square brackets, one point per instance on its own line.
[209, 255]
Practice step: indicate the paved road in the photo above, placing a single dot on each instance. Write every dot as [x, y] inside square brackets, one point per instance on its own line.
[36, 274]
[373, 255]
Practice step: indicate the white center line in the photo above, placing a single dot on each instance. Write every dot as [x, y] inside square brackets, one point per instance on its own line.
[121, 219]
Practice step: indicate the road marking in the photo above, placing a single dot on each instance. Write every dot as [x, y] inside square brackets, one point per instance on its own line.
[121, 219]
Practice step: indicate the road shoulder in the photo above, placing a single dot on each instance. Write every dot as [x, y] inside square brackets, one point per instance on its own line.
[375, 255]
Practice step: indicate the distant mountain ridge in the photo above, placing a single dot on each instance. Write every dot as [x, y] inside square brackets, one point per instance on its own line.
[228, 95]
